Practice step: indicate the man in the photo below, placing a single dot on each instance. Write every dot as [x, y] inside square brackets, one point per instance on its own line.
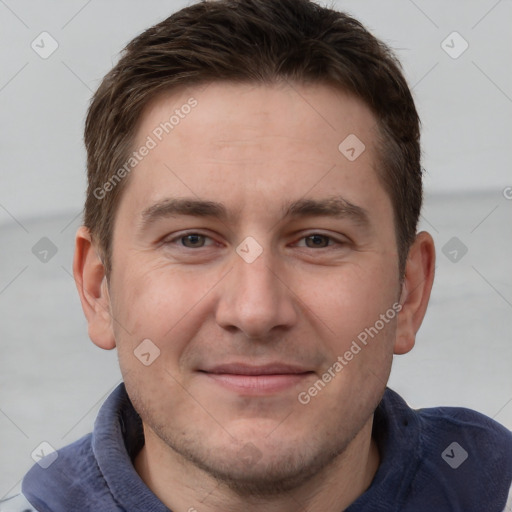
[249, 247]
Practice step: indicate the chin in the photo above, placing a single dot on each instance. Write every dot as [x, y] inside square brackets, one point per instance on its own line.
[260, 468]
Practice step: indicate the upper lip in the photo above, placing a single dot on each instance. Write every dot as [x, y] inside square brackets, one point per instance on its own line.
[247, 369]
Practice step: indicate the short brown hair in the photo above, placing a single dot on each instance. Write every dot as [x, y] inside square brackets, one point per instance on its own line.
[261, 41]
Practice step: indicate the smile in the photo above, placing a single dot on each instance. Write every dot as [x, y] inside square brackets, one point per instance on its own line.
[257, 380]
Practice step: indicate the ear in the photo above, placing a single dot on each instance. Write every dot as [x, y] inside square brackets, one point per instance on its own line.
[90, 279]
[416, 288]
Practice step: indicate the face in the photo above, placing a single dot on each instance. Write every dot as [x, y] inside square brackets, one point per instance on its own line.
[252, 300]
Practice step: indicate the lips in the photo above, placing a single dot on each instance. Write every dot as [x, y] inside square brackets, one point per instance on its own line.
[267, 369]
[257, 379]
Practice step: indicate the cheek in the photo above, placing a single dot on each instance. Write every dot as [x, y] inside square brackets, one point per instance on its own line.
[158, 306]
[358, 322]
[349, 299]
[161, 304]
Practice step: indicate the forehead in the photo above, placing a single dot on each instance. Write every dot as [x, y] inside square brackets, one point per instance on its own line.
[248, 144]
[247, 113]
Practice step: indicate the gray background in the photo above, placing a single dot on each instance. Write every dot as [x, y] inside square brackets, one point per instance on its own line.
[53, 379]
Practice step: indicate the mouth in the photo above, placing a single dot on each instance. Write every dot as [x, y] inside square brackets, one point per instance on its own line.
[257, 380]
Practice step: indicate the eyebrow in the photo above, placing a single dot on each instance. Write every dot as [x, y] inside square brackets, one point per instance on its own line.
[336, 207]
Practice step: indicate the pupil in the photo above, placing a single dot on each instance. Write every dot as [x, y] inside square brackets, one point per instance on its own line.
[194, 239]
[317, 239]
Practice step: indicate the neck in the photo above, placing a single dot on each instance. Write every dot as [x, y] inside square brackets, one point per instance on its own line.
[182, 486]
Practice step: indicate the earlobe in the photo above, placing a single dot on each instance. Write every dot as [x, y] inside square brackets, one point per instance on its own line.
[89, 273]
[416, 289]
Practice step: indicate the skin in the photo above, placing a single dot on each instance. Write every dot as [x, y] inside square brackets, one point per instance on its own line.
[253, 148]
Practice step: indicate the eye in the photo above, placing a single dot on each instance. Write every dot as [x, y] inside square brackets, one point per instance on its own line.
[190, 240]
[194, 239]
[317, 240]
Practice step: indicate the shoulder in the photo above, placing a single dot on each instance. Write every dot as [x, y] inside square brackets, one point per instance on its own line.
[72, 467]
[62, 464]
[483, 436]
[466, 459]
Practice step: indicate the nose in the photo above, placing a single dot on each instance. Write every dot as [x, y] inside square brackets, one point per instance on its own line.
[256, 297]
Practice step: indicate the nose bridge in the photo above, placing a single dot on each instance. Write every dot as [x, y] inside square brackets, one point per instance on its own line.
[258, 277]
[254, 298]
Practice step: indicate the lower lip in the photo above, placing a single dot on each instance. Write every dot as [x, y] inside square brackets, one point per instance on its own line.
[258, 384]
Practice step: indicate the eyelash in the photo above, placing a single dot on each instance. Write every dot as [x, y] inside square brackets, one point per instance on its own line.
[184, 235]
